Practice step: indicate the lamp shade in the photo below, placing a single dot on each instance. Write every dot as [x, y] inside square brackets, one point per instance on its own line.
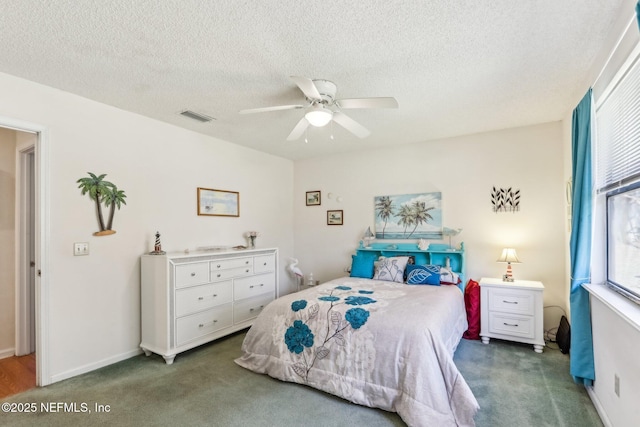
[509, 255]
[318, 116]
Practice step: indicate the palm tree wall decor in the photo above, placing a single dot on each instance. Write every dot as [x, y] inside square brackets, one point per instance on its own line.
[409, 216]
[101, 191]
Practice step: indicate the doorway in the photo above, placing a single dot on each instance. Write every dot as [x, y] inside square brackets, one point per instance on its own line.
[30, 257]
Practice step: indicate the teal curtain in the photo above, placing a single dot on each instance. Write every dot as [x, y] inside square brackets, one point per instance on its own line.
[581, 354]
[638, 12]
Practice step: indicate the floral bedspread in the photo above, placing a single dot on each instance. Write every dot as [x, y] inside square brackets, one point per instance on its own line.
[380, 344]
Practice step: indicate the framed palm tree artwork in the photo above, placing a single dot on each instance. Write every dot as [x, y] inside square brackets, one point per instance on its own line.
[409, 216]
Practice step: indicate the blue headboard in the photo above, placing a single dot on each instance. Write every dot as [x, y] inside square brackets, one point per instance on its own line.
[435, 254]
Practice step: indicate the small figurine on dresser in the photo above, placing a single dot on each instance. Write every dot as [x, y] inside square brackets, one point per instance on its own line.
[157, 248]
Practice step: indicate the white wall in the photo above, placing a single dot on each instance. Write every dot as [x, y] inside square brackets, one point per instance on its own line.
[7, 241]
[464, 169]
[94, 307]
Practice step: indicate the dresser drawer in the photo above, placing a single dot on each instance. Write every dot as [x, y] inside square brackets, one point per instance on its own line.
[226, 264]
[250, 308]
[512, 301]
[197, 325]
[217, 276]
[255, 285]
[198, 298]
[515, 326]
[191, 274]
[264, 263]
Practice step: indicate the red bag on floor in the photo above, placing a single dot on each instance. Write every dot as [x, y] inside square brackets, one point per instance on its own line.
[472, 305]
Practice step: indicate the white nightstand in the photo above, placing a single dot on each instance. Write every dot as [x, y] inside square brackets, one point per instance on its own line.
[512, 311]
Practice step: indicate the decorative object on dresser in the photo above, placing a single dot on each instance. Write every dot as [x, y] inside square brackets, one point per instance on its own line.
[191, 299]
[101, 191]
[313, 198]
[509, 256]
[252, 235]
[512, 311]
[409, 216]
[157, 247]
[335, 217]
[213, 202]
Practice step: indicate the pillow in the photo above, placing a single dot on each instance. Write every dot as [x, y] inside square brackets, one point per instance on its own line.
[448, 277]
[391, 269]
[362, 264]
[423, 275]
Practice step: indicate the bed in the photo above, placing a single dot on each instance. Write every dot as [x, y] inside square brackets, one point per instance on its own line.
[379, 343]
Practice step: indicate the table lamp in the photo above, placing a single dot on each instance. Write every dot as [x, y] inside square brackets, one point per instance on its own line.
[509, 255]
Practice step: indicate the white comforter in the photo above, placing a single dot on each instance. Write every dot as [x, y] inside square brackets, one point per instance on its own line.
[380, 344]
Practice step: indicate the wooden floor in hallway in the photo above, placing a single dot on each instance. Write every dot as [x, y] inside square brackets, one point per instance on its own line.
[17, 374]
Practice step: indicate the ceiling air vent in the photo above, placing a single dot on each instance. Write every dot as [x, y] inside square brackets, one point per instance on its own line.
[196, 116]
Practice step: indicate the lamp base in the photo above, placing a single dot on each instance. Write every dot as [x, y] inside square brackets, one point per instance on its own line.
[507, 278]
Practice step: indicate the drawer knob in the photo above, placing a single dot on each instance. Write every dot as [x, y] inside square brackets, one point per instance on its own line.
[219, 274]
[264, 263]
[246, 262]
[509, 302]
[193, 274]
[510, 324]
[259, 308]
[218, 266]
[202, 325]
[200, 298]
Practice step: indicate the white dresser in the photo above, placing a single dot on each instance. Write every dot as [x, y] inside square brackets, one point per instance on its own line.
[512, 311]
[191, 299]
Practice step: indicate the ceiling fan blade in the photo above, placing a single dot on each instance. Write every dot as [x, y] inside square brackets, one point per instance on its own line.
[385, 102]
[307, 87]
[351, 125]
[276, 108]
[298, 130]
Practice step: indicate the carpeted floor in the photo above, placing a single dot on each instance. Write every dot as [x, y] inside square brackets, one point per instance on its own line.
[514, 385]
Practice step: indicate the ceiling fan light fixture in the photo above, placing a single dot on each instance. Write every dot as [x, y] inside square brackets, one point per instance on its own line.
[318, 116]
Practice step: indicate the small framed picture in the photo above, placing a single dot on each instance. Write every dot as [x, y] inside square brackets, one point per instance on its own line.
[218, 202]
[334, 217]
[313, 198]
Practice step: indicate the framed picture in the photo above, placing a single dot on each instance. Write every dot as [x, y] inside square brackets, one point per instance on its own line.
[313, 198]
[409, 216]
[218, 202]
[334, 217]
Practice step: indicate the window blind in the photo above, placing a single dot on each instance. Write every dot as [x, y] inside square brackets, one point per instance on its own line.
[618, 132]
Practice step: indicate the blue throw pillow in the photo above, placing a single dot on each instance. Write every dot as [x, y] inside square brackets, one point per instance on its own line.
[423, 275]
[362, 264]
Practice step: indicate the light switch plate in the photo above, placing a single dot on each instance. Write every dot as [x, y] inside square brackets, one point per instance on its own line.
[81, 248]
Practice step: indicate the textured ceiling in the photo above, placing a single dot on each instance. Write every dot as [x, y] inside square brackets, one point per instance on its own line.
[455, 67]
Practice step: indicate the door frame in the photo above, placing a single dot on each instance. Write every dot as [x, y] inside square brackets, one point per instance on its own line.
[42, 235]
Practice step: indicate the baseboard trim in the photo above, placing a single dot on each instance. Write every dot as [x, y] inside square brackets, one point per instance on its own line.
[7, 352]
[93, 366]
[599, 408]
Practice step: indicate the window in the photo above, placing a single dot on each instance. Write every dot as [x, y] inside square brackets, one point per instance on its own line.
[617, 176]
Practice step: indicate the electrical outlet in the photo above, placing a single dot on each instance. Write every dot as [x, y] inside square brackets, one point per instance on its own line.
[616, 384]
[81, 249]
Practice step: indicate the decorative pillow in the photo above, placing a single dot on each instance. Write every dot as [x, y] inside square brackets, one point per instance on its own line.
[423, 275]
[362, 264]
[391, 269]
[448, 277]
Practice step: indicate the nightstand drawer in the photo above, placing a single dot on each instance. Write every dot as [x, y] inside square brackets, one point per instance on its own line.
[192, 274]
[514, 326]
[510, 301]
[198, 298]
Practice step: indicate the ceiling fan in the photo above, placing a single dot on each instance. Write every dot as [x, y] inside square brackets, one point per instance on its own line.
[322, 107]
